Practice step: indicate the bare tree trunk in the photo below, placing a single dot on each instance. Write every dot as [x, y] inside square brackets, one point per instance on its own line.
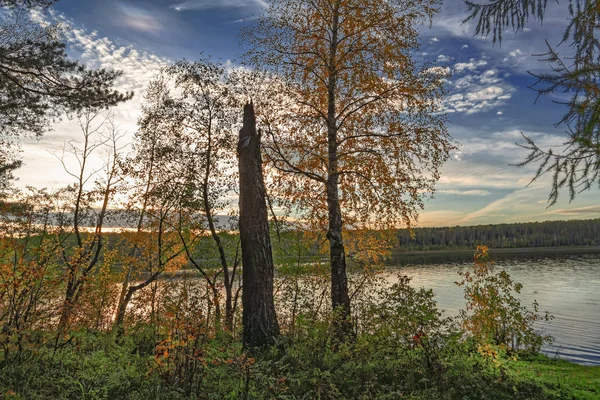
[122, 307]
[258, 318]
[120, 304]
[66, 310]
[223, 259]
[213, 231]
[340, 299]
[125, 297]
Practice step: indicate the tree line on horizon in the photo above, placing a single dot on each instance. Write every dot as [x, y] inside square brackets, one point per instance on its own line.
[513, 235]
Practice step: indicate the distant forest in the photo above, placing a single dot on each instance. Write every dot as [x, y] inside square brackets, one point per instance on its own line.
[530, 234]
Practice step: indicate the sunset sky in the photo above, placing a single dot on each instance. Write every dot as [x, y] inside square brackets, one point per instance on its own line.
[489, 102]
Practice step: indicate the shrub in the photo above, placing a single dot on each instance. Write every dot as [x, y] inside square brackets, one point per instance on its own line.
[494, 315]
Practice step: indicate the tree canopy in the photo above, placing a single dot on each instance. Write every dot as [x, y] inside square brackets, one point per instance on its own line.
[577, 165]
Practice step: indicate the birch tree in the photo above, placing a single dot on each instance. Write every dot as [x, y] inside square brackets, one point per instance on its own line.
[357, 138]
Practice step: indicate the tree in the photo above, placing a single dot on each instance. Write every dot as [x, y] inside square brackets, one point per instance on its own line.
[355, 119]
[8, 164]
[38, 82]
[155, 193]
[259, 318]
[577, 165]
[27, 3]
[80, 224]
[194, 122]
[29, 267]
[493, 314]
[207, 107]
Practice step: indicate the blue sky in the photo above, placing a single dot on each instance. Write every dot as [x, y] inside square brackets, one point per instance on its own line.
[488, 102]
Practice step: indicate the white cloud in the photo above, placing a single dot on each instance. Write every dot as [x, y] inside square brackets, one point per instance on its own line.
[100, 52]
[450, 21]
[487, 94]
[465, 192]
[580, 212]
[139, 19]
[486, 162]
[213, 4]
[489, 77]
[525, 204]
[470, 174]
[435, 40]
[443, 58]
[472, 65]
[477, 99]
[530, 204]
[439, 71]
[473, 90]
[499, 113]
[96, 52]
[503, 209]
[464, 46]
[515, 53]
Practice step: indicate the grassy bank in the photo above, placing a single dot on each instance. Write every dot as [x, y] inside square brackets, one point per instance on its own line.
[560, 376]
[304, 367]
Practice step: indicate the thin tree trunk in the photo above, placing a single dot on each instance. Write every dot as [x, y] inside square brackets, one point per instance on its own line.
[213, 231]
[122, 308]
[66, 310]
[340, 299]
[217, 304]
[223, 259]
[258, 318]
[123, 299]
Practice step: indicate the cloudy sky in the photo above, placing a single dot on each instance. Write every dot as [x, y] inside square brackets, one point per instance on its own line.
[489, 102]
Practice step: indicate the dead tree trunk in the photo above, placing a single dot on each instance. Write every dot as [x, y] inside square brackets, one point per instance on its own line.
[259, 320]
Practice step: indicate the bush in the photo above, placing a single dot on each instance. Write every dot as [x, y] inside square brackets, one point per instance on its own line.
[494, 315]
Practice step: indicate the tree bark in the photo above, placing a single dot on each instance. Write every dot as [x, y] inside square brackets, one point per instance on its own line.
[340, 299]
[259, 320]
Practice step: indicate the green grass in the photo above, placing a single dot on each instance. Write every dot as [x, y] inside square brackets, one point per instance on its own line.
[302, 368]
[561, 378]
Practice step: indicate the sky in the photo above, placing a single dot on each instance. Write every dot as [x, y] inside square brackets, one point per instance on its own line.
[488, 102]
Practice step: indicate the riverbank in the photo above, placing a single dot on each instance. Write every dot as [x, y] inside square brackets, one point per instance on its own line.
[466, 255]
[582, 382]
[99, 367]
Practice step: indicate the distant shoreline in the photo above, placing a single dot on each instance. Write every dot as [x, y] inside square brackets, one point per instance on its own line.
[512, 250]
[465, 255]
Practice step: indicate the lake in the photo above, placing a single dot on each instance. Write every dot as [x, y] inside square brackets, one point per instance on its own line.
[568, 286]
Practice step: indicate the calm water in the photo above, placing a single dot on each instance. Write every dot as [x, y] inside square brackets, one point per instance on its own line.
[568, 287]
